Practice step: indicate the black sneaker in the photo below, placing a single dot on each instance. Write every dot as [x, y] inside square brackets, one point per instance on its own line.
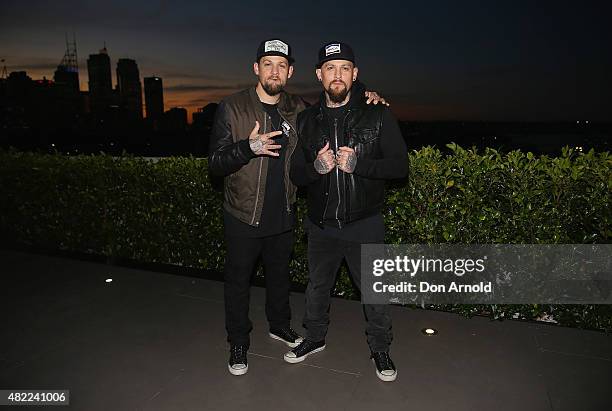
[286, 335]
[237, 364]
[306, 347]
[385, 370]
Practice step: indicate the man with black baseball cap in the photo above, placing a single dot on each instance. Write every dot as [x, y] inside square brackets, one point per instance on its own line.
[336, 51]
[275, 47]
[346, 151]
[253, 137]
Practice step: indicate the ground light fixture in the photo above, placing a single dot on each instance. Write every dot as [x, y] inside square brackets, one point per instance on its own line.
[429, 332]
[109, 280]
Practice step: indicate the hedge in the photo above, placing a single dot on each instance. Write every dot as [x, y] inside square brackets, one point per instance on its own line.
[168, 211]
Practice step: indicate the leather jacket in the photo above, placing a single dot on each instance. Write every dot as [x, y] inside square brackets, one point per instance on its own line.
[362, 191]
[231, 156]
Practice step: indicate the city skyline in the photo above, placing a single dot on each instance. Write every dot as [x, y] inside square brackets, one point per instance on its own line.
[494, 63]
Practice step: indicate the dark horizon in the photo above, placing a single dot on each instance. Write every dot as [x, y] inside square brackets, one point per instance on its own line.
[543, 62]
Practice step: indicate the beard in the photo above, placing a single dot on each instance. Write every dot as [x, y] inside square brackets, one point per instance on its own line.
[272, 88]
[337, 95]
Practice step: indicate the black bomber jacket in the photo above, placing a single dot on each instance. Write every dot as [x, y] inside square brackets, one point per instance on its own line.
[231, 156]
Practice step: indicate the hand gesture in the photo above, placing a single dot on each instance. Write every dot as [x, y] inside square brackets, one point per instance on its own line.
[374, 98]
[262, 144]
[326, 161]
[346, 159]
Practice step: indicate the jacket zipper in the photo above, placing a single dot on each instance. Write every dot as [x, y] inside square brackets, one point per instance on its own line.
[259, 178]
[287, 159]
[344, 189]
[337, 173]
[327, 177]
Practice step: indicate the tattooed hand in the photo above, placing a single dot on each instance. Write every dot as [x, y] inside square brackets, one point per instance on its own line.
[346, 159]
[374, 98]
[326, 161]
[262, 144]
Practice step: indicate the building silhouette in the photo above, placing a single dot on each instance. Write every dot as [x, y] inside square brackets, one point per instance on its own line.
[129, 88]
[67, 90]
[17, 100]
[174, 120]
[100, 83]
[202, 127]
[42, 111]
[203, 119]
[3, 96]
[154, 97]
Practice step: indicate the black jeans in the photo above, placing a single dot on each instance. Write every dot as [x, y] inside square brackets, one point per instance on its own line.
[325, 254]
[242, 255]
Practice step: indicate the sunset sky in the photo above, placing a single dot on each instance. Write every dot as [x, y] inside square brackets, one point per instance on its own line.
[439, 60]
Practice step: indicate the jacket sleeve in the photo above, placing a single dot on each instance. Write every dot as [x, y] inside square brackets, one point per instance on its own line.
[225, 155]
[302, 172]
[394, 163]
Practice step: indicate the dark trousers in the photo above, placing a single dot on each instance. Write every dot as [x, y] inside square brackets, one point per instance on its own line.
[242, 255]
[325, 254]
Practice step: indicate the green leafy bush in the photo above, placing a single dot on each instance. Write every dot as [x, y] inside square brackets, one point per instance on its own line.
[167, 211]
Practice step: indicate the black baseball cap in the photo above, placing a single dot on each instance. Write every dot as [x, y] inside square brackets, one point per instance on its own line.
[335, 50]
[275, 47]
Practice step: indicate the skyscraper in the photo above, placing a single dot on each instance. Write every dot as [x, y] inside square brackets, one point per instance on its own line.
[100, 82]
[18, 100]
[154, 97]
[128, 85]
[67, 87]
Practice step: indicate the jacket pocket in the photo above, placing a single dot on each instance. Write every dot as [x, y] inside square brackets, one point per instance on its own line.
[364, 135]
[364, 140]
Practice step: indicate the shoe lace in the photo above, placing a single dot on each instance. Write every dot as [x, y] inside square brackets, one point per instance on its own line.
[383, 359]
[304, 346]
[291, 332]
[238, 351]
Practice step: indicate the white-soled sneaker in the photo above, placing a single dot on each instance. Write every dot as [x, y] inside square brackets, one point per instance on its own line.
[385, 369]
[306, 347]
[237, 364]
[286, 335]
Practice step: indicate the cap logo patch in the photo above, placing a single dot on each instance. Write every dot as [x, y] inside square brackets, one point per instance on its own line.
[276, 45]
[333, 48]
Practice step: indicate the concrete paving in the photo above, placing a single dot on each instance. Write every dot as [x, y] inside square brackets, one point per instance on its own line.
[156, 341]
